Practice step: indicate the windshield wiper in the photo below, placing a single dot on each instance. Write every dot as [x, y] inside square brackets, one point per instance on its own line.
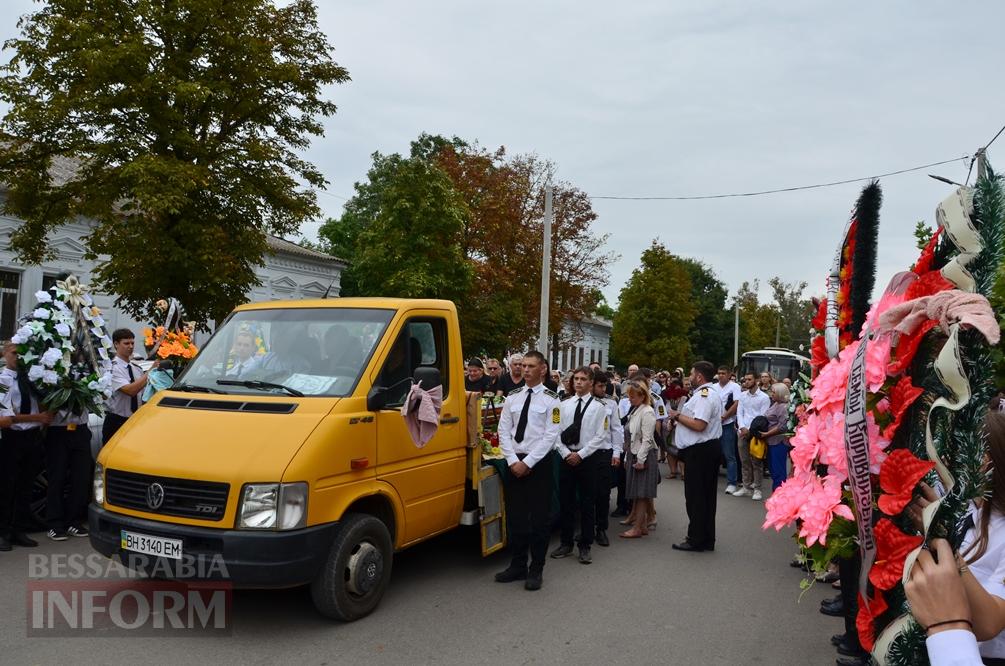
[191, 388]
[257, 384]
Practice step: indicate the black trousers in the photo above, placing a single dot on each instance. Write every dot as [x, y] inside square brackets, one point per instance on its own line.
[20, 463]
[848, 570]
[528, 513]
[701, 490]
[68, 462]
[111, 426]
[605, 478]
[577, 489]
[621, 478]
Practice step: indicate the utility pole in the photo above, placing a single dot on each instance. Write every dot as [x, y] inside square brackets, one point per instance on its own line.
[545, 273]
[778, 331]
[981, 163]
[736, 337]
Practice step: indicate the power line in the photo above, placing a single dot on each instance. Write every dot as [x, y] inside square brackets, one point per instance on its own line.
[786, 189]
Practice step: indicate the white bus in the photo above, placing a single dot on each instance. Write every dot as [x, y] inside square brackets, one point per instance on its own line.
[780, 362]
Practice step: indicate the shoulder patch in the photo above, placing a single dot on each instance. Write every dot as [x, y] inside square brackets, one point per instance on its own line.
[556, 415]
[551, 394]
[704, 392]
[663, 410]
[515, 391]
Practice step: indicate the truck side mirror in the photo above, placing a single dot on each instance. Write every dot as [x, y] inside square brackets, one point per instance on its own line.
[376, 399]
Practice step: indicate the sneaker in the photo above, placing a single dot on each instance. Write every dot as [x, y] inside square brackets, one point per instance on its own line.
[57, 535]
[757, 497]
[584, 555]
[562, 551]
[78, 531]
[741, 492]
[730, 489]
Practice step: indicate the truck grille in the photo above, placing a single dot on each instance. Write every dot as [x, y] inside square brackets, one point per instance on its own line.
[204, 500]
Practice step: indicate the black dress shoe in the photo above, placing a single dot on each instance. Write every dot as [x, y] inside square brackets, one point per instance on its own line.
[511, 574]
[834, 610]
[533, 582]
[851, 650]
[5, 544]
[601, 539]
[584, 555]
[836, 599]
[23, 540]
[688, 547]
[562, 551]
[854, 661]
[837, 639]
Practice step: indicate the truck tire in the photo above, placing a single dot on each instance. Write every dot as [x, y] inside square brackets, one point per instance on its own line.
[357, 571]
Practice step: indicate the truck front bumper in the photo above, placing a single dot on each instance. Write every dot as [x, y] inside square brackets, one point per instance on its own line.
[252, 559]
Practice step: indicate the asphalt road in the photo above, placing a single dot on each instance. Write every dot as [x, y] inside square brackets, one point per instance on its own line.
[639, 602]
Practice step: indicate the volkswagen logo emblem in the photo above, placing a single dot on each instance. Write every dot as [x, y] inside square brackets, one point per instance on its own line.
[155, 495]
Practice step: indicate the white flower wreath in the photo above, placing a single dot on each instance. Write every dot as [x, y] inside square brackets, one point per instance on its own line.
[65, 351]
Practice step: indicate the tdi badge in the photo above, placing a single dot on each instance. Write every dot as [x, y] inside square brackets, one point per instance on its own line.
[556, 415]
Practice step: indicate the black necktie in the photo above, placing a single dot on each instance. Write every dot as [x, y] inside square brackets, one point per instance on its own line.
[24, 388]
[579, 411]
[521, 425]
[134, 402]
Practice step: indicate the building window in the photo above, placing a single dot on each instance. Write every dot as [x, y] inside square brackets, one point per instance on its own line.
[10, 283]
[581, 353]
[49, 281]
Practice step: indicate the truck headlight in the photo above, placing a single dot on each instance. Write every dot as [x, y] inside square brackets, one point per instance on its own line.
[270, 506]
[99, 484]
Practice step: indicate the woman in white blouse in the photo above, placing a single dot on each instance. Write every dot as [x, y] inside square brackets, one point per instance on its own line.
[641, 460]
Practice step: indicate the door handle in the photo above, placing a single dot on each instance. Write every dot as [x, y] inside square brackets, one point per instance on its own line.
[450, 419]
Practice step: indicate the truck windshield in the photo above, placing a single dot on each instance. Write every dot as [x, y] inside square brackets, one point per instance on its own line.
[314, 351]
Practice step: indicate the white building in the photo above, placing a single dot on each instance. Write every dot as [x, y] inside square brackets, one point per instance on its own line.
[290, 272]
[592, 345]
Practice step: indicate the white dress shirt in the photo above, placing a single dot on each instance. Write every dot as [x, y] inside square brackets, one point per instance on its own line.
[119, 403]
[543, 425]
[955, 647]
[706, 406]
[615, 440]
[751, 406]
[10, 404]
[659, 407]
[730, 389]
[241, 368]
[985, 569]
[591, 429]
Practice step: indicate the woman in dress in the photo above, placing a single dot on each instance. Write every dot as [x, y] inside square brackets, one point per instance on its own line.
[641, 458]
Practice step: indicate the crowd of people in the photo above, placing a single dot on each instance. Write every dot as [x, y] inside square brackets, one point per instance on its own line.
[605, 433]
[33, 438]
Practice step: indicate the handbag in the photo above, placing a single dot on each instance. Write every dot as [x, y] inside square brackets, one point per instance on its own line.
[758, 448]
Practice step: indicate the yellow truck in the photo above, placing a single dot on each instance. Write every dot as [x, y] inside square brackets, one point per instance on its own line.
[280, 456]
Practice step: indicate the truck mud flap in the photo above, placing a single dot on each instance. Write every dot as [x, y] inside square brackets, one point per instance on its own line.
[493, 510]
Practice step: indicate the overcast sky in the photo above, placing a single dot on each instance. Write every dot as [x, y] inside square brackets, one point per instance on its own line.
[657, 98]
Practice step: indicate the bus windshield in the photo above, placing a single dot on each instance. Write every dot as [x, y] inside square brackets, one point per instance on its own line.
[311, 351]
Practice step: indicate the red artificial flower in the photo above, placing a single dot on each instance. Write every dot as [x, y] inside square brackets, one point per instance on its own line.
[818, 354]
[820, 320]
[902, 395]
[907, 347]
[865, 621]
[928, 254]
[930, 283]
[892, 547]
[900, 473]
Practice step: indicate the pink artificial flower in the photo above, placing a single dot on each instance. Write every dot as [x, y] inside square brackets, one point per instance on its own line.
[883, 406]
[830, 385]
[832, 449]
[819, 508]
[877, 444]
[806, 444]
[877, 358]
[784, 504]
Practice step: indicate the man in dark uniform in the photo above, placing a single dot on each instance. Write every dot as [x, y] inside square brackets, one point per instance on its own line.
[528, 429]
[20, 452]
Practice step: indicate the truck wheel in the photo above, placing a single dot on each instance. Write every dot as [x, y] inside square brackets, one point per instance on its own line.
[357, 571]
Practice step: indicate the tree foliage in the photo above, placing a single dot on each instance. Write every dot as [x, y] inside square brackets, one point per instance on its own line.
[794, 311]
[758, 321]
[501, 203]
[655, 312]
[711, 336]
[176, 127]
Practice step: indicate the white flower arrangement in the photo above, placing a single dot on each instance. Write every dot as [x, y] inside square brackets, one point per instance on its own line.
[65, 349]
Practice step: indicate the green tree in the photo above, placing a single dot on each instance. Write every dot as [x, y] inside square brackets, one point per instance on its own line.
[922, 234]
[406, 241]
[603, 309]
[711, 337]
[655, 312]
[177, 127]
[794, 311]
[758, 322]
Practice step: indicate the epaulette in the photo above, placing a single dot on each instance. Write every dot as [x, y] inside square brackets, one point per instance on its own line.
[515, 391]
[548, 392]
[654, 394]
[704, 392]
